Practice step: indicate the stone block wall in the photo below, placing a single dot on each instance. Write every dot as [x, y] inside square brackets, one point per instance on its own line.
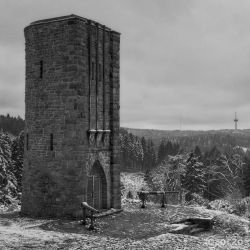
[71, 113]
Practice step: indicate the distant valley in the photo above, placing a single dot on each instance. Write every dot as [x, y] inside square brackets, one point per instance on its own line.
[188, 139]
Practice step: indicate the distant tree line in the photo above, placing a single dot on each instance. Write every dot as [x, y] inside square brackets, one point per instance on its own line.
[11, 124]
[208, 141]
[167, 148]
[204, 139]
[137, 154]
[140, 154]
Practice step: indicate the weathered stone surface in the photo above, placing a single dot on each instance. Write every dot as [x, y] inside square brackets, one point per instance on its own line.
[192, 225]
[71, 96]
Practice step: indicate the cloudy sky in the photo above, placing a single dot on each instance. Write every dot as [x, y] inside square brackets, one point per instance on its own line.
[184, 63]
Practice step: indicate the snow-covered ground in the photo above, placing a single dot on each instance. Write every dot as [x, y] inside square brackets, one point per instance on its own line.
[134, 228]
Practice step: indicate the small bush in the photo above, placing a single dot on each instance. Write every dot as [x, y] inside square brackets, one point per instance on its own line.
[131, 184]
[222, 205]
[242, 207]
[231, 224]
[196, 199]
[239, 207]
[130, 195]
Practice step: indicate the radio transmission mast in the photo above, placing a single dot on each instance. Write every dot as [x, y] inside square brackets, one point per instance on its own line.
[235, 121]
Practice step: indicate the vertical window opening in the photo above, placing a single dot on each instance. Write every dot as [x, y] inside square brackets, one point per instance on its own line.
[41, 69]
[27, 141]
[93, 70]
[51, 142]
[75, 105]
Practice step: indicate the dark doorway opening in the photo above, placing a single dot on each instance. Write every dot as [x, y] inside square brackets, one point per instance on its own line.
[97, 187]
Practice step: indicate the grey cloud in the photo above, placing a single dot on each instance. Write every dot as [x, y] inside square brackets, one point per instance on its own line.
[179, 58]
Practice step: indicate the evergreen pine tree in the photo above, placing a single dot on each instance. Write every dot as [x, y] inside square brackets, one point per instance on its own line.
[161, 152]
[246, 172]
[197, 152]
[144, 148]
[8, 184]
[17, 151]
[194, 180]
[169, 150]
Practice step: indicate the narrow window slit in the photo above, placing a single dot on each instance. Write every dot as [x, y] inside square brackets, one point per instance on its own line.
[51, 142]
[75, 105]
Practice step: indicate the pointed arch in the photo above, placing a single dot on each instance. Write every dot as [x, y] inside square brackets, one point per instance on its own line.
[97, 187]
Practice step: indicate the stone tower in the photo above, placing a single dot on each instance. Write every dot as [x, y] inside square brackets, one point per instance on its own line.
[72, 117]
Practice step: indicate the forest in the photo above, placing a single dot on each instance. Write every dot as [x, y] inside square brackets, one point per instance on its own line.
[11, 124]
[218, 171]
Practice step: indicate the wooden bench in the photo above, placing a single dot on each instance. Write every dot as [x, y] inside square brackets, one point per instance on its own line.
[85, 208]
[143, 196]
[92, 214]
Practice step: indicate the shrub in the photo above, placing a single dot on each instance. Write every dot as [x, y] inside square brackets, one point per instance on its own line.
[132, 183]
[196, 199]
[129, 195]
[231, 224]
[222, 205]
[242, 207]
[239, 207]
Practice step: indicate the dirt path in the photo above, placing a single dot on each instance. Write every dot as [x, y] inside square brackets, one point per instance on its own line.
[132, 229]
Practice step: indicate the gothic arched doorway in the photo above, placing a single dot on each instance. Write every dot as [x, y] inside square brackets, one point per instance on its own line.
[97, 187]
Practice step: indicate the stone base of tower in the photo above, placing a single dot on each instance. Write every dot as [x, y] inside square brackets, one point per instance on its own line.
[48, 192]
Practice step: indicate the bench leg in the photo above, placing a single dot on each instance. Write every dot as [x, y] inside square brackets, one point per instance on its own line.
[163, 201]
[84, 222]
[92, 220]
[143, 204]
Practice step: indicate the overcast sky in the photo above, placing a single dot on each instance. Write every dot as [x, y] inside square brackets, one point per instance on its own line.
[184, 63]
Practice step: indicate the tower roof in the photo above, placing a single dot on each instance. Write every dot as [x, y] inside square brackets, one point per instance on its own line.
[68, 17]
